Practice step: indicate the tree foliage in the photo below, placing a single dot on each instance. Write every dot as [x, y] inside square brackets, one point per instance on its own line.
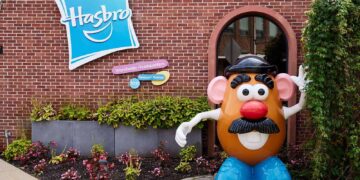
[332, 58]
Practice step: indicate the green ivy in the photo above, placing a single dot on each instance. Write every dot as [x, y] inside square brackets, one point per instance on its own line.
[332, 59]
[42, 112]
[74, 112]
[16, 149]
[160, 112]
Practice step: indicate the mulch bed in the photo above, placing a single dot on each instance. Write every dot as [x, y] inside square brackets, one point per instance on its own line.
[298, 169]
[55, 171]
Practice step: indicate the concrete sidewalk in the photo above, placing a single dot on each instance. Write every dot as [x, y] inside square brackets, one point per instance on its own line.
[205, 177]
[10, 172]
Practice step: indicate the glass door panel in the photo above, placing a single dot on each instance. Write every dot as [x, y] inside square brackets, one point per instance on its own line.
[252, 35]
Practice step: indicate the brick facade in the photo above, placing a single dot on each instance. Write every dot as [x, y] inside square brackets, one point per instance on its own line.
[35, 59]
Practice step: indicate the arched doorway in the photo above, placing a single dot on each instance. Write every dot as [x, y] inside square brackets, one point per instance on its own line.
[253, 12]
[252, 35]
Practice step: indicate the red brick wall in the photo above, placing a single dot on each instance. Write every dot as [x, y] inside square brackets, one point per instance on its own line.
[35, 59]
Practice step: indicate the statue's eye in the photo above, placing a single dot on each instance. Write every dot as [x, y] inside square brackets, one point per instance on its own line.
[245, 92]
[261, 92]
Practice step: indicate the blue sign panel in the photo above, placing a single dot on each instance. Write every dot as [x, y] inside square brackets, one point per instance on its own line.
[96, 28]
[151, 77]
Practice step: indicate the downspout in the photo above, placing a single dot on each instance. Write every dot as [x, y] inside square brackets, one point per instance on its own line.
[7, 136]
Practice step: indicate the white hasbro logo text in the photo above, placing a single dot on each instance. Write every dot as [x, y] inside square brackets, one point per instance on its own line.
[97, 19]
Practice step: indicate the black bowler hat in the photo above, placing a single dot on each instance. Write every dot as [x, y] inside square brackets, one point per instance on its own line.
[251, 64]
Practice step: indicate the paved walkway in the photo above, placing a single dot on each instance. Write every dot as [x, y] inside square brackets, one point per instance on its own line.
[10, 172]
[206, 177]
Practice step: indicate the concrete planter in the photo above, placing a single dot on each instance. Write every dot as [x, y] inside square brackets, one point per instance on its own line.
[146, 140]
[78, 134]
[83, 134]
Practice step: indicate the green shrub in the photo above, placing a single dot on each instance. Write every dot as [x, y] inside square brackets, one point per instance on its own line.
[114, 112]
[74, 112]
[42, 112]
[16, 149]
[160, 112]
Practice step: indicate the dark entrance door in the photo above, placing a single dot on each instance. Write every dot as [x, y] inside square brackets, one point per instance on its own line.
[252, 35]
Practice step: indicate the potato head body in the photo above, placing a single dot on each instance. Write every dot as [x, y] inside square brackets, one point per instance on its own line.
[251, 120]
[251, 147]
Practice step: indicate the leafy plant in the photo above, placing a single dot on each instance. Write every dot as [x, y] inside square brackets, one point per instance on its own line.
[114, 112]
[42, 112]
[160, 112]
[97, 167]
[187, 154]
[157, 172]
[40, 167]
[223, 155]
[72, 154]
[131, 173]
[58, 159]
[161, 155]
[201, 163]
[74, 112]
[70, 174]
[36, 152]
[97, 149]
[16, 149]
[208, 166]
[332, 60]
[183, 167]
[132, 161]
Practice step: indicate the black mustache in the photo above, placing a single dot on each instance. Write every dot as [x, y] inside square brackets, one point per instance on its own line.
[241, 126]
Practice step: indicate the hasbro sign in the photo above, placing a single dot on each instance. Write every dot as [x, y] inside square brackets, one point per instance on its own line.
[96, 28]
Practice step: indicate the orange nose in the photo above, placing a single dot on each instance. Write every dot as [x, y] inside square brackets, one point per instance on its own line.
[253, 110]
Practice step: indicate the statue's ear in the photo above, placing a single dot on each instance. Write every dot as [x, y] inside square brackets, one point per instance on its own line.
[285, 86]
[216, 89]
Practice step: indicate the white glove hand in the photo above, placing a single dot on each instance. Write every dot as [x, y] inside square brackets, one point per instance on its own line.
[181, 132]
[300, 79]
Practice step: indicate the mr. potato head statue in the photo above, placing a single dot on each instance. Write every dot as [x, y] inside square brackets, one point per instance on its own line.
[251, 120]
